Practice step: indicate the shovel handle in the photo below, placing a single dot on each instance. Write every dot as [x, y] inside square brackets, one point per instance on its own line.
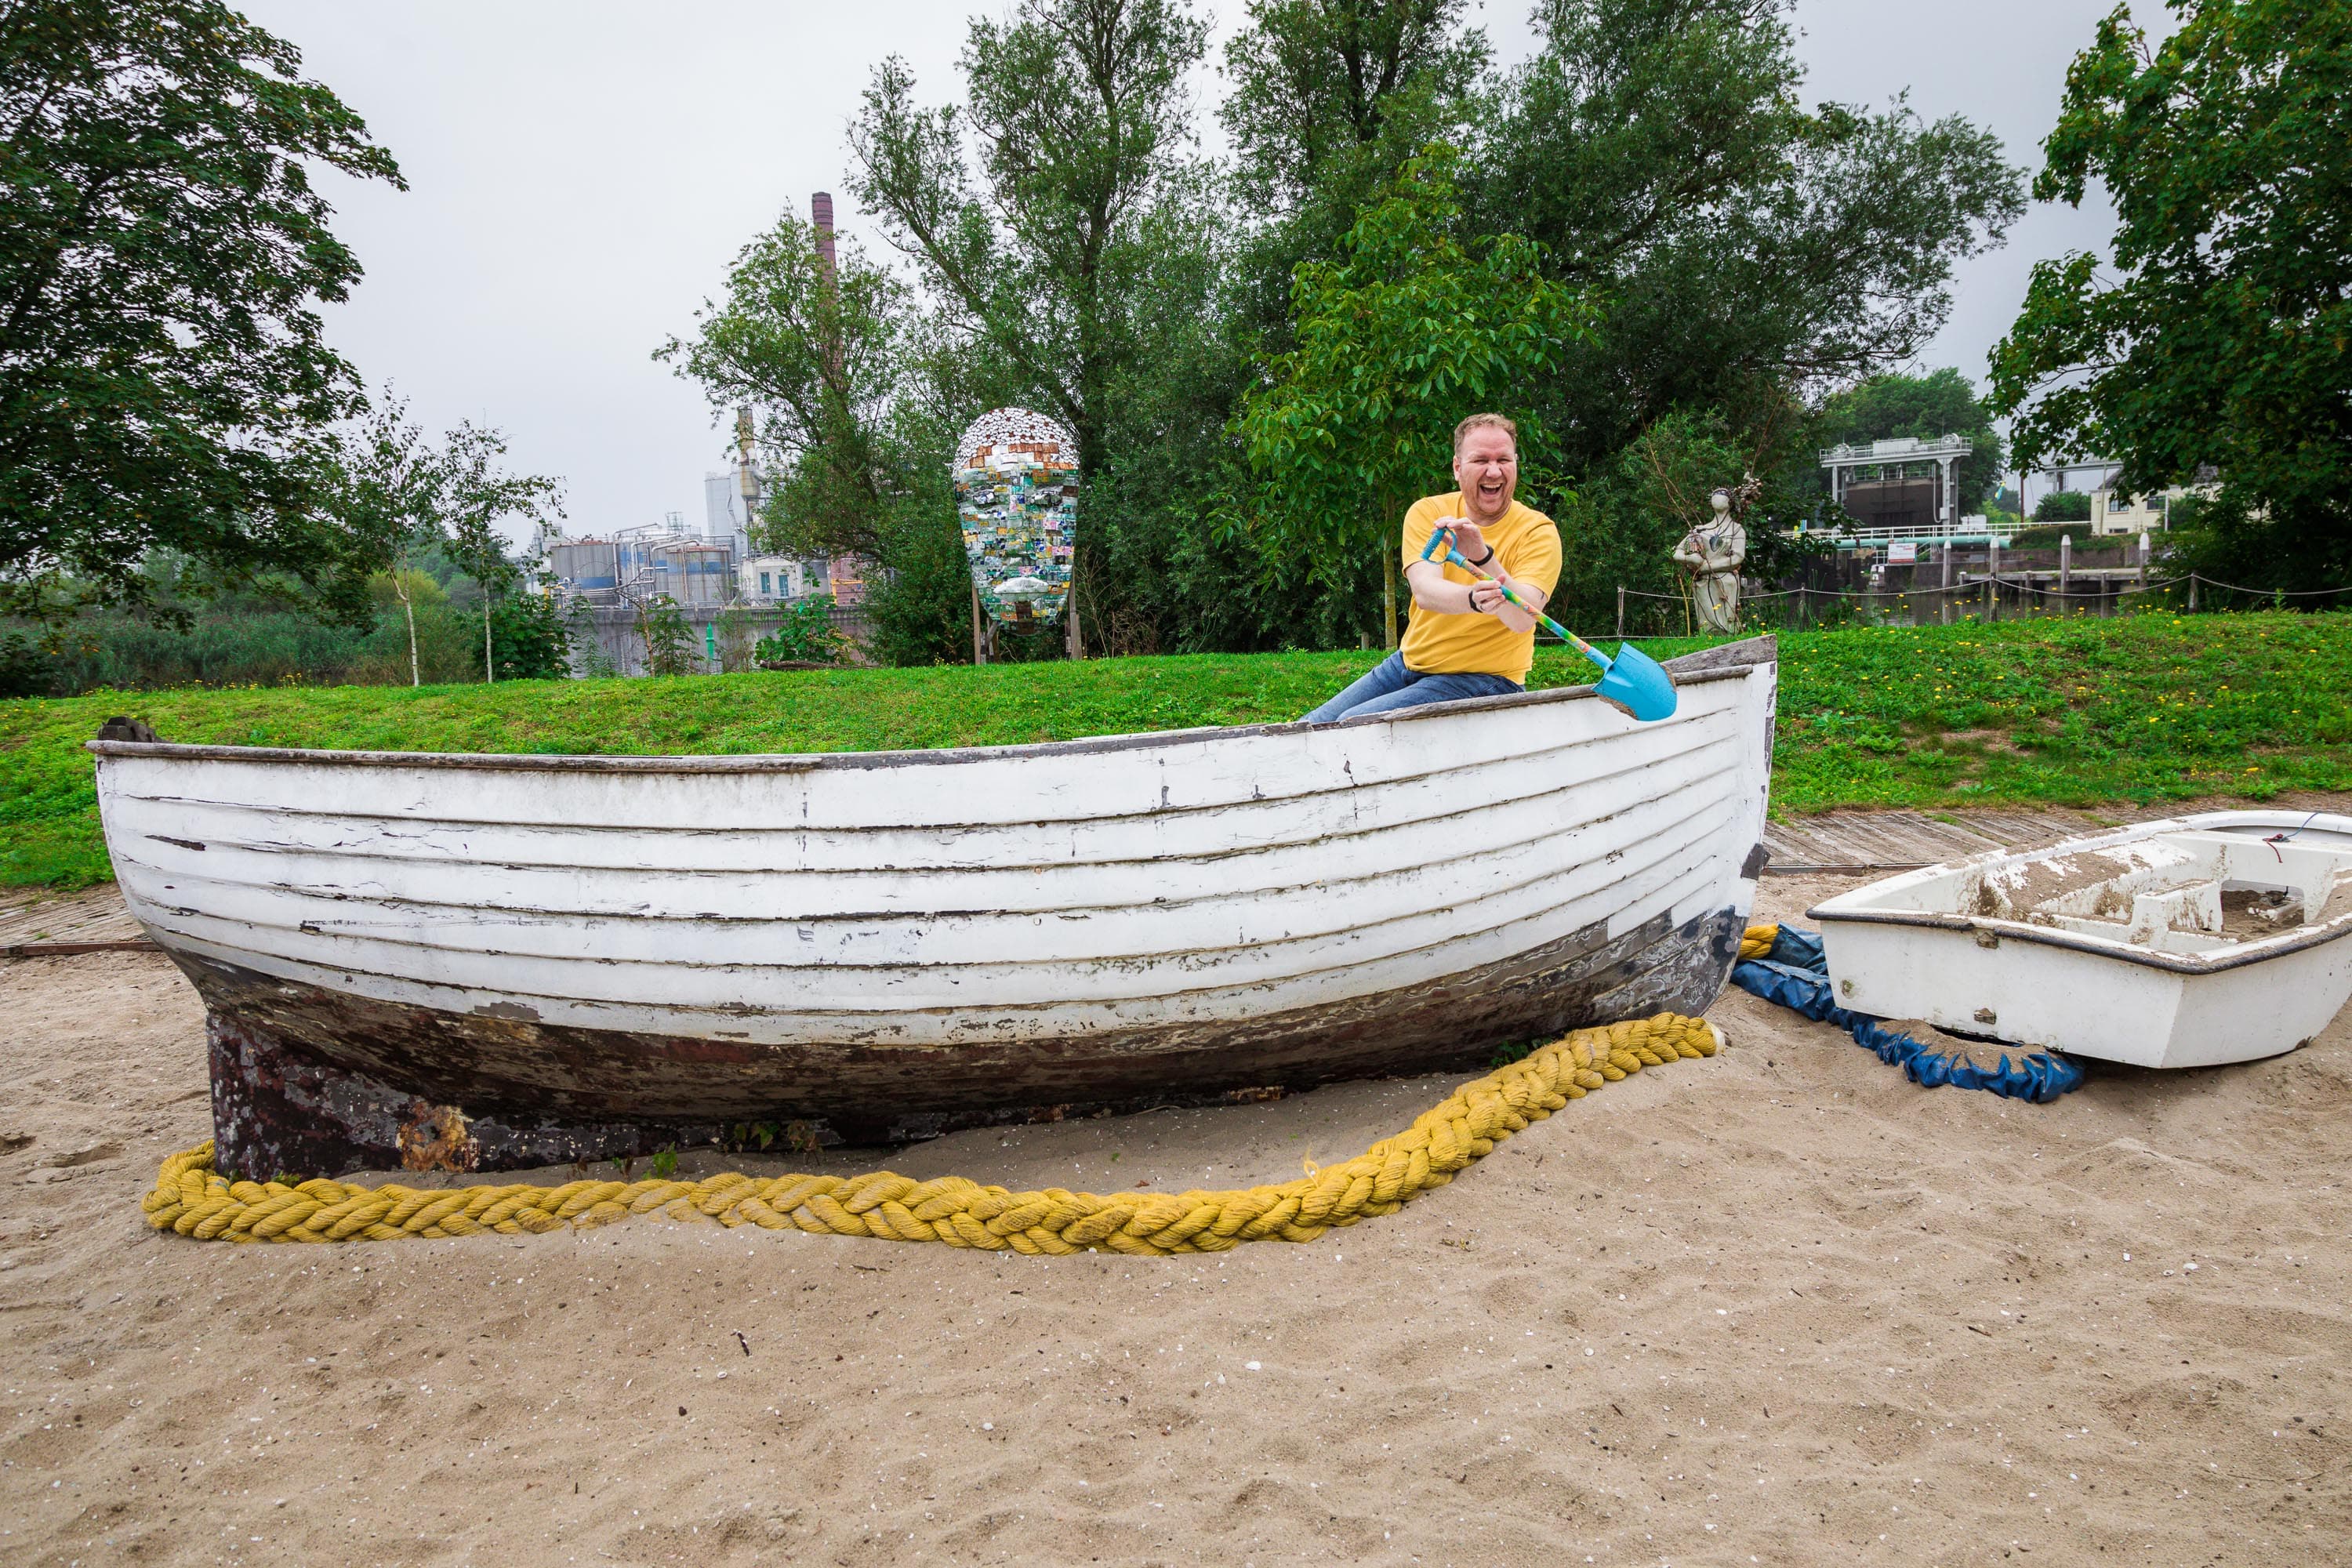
[1456, 557]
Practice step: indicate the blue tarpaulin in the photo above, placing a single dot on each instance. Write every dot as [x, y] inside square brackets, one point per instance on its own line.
[1796, 975]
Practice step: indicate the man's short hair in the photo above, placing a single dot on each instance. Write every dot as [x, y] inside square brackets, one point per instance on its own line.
[1484, 422]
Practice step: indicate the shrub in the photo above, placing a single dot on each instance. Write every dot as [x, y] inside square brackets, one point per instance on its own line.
[530, 638]
[25, 670]
[2063, 506]
[804, 636]
[669, 642]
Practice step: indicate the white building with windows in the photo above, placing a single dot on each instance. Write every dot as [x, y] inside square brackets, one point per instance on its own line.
[771, 579]
[2114, 512]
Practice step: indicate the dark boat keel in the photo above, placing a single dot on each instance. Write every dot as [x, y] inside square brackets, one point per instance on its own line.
[307, 1082]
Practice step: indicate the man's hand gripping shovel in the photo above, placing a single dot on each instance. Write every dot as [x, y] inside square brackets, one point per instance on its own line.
[1633, 682]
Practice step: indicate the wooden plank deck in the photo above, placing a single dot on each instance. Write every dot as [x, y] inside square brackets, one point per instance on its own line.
[1905, 840]
[36, 923]
[1900, 840]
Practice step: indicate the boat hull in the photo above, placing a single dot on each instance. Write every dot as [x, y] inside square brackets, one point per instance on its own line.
[484, 963]
[1930, 944]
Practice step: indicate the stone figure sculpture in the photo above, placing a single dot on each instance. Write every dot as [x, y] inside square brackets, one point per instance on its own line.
[1712, 552]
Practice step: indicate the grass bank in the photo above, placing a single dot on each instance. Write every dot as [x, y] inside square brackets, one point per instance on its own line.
[2142, 709]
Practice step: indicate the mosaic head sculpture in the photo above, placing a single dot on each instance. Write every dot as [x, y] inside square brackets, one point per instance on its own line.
[1016, 489]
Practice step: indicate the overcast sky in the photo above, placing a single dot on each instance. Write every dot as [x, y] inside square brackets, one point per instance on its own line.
[581, 171]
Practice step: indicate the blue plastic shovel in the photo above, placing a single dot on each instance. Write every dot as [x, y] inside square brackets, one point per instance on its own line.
[1632, 680]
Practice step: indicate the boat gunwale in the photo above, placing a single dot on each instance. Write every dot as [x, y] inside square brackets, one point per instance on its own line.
[2260, 951]
[1726, 661]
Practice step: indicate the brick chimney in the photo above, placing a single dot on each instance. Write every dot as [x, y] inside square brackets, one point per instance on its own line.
[821, 215]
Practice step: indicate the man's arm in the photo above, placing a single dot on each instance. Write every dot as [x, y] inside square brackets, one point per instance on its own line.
[1432, 592]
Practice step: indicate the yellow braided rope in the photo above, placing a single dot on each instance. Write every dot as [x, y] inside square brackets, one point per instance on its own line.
[191, 1199]
[1757, 941]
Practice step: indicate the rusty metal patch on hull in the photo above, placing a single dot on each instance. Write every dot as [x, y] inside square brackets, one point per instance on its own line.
[311, 1081]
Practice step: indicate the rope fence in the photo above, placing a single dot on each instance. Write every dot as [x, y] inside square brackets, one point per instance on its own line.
[1977, 585]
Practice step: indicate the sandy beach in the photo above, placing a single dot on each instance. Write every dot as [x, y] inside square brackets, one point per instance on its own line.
[1778, 1307]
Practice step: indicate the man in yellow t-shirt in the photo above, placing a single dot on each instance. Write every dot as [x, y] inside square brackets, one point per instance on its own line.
[1465, 639]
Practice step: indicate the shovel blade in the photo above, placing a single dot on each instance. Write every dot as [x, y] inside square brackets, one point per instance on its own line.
[1637, 683]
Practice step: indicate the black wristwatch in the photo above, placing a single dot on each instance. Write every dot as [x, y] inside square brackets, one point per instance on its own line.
[1484, 559]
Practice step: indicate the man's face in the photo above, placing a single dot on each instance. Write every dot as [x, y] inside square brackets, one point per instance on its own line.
[1488, 469]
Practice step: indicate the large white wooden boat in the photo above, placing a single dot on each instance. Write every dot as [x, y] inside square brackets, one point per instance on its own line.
[2221, 937]
[484, 961]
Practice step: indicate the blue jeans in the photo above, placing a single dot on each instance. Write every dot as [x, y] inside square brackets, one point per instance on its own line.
[1389, 685]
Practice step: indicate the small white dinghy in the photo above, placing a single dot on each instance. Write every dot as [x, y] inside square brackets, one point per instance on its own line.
[2223, 937]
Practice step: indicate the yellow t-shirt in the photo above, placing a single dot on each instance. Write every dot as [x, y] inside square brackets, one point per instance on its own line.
[1526, 548]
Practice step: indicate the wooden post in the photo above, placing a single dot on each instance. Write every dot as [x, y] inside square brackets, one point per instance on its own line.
[2143, 558]
[1992, 578]
[979, 617]
[1943, 599]
[2065, 568]
[2192, 593]
[1620, 609]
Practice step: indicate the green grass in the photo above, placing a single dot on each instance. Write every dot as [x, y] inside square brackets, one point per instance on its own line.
[2143, 709]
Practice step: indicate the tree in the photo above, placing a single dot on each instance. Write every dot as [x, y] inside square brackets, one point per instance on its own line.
[1080, 122]
[1658, 151]
[474, 497]
[1941, 403]
[1330, 98]
[2218, 335]
[669, 640]
[824, 352]
[1318, 83]
[1403, 335]
[1620, 528]
[395, 491]
[164, 381]
[862, 397]
[1081, 117]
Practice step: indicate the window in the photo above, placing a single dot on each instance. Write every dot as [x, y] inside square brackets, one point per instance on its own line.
[763, 584]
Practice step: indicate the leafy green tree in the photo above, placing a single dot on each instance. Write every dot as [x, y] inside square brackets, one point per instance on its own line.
[2217, 335]
[1330, 98]
[1941, 403]
[163, 380]
[1079, 120]
[1620, 528]
[919, 609]
[402, 494]
[476, 495]
[1409, 331]
[1322, 86]
[862, 398]
[1746, 245]
[2063, 506]
[824, 356]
